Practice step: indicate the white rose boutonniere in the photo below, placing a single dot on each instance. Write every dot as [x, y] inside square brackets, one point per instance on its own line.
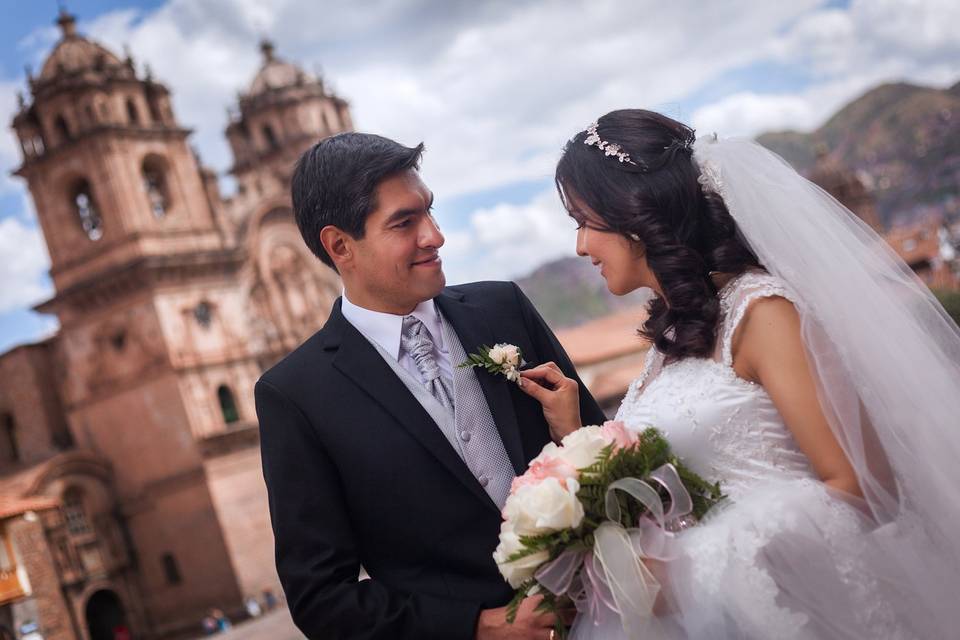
[503, 359]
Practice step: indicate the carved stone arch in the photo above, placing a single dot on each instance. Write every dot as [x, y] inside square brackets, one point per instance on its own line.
[103, 107]
[67, 467]
[133, 112]
[155, 177]
[63, 133]
[106, 614]
[9, 438]
[288, 280]
[271, 139]
[84, 205]
[81, 470]
[89, 114]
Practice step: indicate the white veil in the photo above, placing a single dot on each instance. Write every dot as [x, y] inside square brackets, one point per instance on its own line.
[887, 360]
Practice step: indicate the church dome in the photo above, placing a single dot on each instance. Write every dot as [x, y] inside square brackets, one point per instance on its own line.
[276, 73]
[74, 53]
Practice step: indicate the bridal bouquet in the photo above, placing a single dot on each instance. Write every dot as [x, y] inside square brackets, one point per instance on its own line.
[581, 520]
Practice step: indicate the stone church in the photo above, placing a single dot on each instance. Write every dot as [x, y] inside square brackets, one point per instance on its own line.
[131, 496]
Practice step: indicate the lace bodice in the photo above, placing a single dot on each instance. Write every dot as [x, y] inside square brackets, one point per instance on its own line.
[724, 427]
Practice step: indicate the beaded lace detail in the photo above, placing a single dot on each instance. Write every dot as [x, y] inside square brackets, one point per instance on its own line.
[727, 429]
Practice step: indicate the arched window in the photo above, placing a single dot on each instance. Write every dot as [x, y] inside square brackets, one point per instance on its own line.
[203, 314]
[86, 210]
[228, 405]
[133, 117]
[270, 137]
[8, 438]
[155, 186]
[74, 513]
[62, 129]
[32, 145]
[154, 107]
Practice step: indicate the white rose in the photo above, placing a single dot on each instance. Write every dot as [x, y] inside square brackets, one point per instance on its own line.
[518, 571]
[546, 506]
[512, 354]
[497, 354]
[581, 447]
[550, 450]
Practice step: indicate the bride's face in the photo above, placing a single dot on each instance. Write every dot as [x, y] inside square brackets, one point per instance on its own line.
[622, 262]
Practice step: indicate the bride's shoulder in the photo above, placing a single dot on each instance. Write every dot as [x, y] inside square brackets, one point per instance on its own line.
[751, 285]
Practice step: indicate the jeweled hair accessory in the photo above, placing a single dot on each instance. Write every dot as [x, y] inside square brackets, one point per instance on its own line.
[684, 143]
[609, 148]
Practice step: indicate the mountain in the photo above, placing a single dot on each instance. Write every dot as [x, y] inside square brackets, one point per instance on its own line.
[570, 291]
[904, 138]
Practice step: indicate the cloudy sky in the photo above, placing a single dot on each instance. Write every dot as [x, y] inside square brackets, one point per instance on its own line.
[493, 87]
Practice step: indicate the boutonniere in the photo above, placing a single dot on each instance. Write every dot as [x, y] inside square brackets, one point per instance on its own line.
[503, 359]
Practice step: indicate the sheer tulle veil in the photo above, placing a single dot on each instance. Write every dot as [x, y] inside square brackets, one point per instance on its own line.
[887, 360]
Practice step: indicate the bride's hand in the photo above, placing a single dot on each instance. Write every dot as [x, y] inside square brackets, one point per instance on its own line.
[559, 395]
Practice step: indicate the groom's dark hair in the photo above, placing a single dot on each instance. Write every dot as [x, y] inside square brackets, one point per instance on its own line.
[335, 181]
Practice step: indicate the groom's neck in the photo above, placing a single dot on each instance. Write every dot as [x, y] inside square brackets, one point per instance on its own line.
[381, 304]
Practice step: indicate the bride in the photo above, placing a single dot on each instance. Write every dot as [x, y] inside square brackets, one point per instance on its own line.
[796, 360]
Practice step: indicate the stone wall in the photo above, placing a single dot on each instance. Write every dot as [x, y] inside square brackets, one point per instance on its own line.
[240, 497]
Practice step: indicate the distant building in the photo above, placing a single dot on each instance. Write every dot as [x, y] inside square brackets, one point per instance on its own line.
[608, 354]
[930, 246]
[131, 494]
[931, 249]
[847, 186]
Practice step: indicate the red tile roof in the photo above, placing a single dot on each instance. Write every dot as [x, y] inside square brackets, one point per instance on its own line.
[605, 338]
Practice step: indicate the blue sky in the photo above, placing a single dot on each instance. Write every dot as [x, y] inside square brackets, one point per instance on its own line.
[493, 88]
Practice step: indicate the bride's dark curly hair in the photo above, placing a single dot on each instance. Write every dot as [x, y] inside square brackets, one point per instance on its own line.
[685, 233]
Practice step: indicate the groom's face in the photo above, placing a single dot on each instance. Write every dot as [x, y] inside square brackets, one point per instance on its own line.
[397, 262]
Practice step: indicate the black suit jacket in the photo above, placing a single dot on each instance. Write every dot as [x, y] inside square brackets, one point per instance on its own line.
[357, 472]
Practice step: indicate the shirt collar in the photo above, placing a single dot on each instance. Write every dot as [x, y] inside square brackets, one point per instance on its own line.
[384, 328]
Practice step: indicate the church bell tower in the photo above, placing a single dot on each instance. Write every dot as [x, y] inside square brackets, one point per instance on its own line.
[136, 255]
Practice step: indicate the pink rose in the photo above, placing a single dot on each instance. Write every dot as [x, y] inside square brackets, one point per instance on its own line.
[544, 467]
[616, 432]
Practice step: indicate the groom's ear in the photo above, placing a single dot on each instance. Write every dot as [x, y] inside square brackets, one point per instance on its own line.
[337, 244]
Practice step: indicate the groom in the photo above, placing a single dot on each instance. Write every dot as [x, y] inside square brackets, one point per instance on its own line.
[378, 450]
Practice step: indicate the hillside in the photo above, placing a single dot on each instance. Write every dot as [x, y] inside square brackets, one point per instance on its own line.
[570, 291]
[904, 138]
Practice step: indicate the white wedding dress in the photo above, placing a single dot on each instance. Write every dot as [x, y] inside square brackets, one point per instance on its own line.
[782, 557]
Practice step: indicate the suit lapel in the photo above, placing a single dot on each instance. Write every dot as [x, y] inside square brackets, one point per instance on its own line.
[471, 325]
[360, 362]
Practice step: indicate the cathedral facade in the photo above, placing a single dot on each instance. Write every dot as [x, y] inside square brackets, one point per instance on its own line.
[131, 495]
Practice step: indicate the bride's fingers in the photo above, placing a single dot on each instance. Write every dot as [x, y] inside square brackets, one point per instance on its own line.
[535, 390]
[545, 373]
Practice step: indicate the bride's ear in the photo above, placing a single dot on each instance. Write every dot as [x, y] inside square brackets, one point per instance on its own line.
[337, 245]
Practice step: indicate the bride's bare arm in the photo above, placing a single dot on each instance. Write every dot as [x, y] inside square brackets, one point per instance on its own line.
[768, 349]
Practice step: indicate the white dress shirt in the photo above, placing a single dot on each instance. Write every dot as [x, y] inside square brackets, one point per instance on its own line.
[384, 329]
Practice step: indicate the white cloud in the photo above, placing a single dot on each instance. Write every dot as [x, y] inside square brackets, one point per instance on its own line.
[507, 240]
[846, 52]
[9, 147]
[495, 88]
[23, 263]
[748, 114]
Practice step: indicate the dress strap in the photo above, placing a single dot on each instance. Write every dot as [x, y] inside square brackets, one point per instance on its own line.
[737, 296]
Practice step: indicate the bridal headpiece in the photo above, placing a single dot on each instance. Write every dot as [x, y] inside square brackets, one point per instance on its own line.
[593, 139]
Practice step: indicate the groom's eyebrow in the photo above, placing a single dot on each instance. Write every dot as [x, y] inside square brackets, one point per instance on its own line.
[403, 213]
